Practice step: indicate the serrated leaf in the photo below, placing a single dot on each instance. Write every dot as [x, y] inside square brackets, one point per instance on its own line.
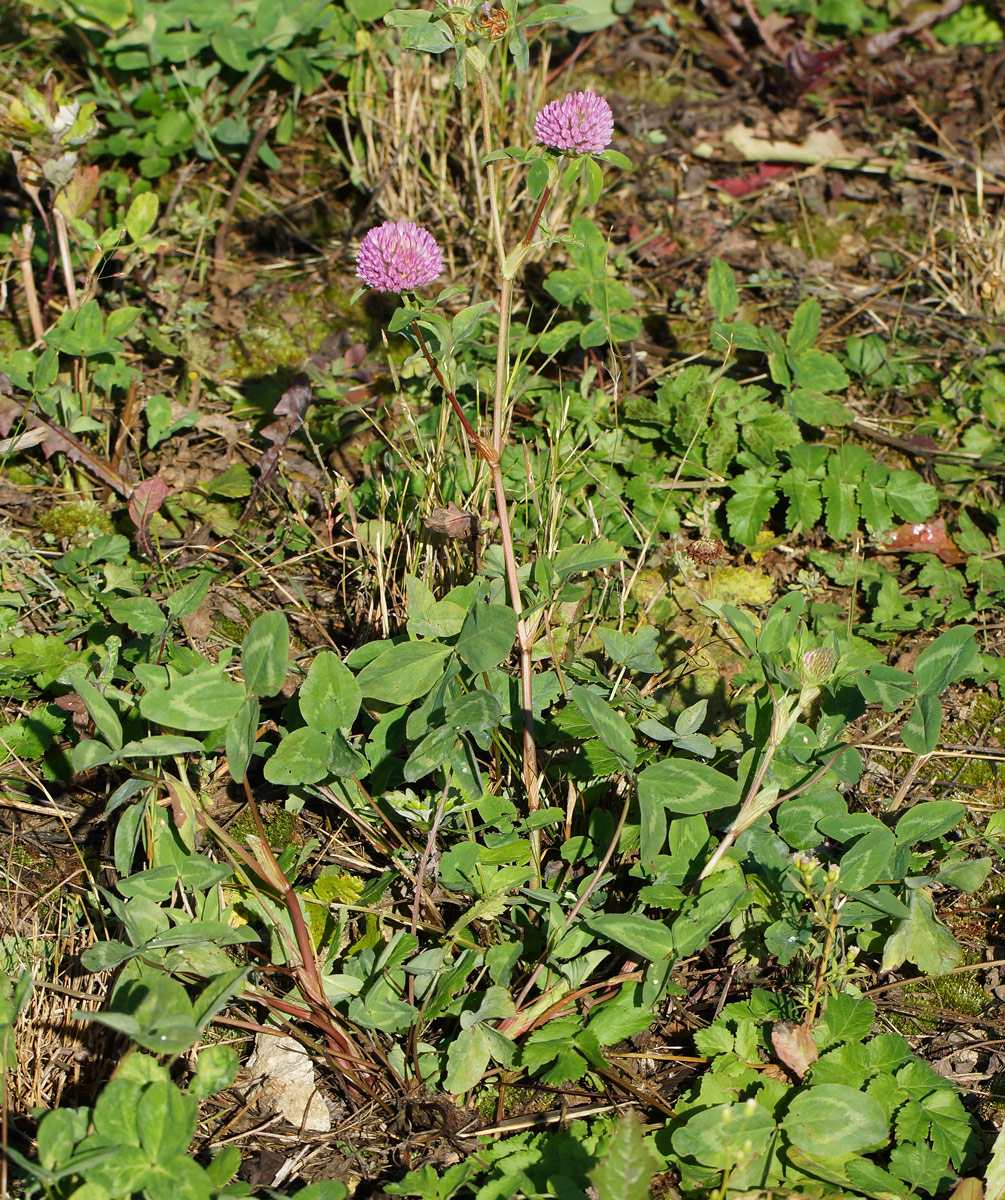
[636, 651]
[558, 336]
[628, 1165]
[805, 504]
[555, 1044]
[749, 508]
[950, 1128]
[845, 1019]
[842, 510]
[618, 1019]
[921, 939]
[910, 497]
[872, 498]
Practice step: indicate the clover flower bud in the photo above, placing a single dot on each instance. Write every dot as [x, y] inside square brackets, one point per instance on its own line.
[817, 666]
[806, 865]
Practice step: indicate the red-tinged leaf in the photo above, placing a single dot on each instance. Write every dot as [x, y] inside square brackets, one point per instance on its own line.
[278, 432]
[452, 522]
[651, 246]
[806, 67]
[146, 499]
[926, 537]
[67, 443]
[295, 401]
[357, 396]
[290, 410]
[794, 1046]
[762, 174]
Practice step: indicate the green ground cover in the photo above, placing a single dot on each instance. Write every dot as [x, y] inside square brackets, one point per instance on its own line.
[562, 695]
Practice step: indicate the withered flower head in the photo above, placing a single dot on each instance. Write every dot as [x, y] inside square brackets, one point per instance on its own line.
[705, 550]
[494, 22]
[452, 522]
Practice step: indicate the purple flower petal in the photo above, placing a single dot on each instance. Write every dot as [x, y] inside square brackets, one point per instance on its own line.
[399, 256]
[580, 123]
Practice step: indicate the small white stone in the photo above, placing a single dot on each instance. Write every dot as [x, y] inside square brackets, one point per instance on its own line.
[288, 1083]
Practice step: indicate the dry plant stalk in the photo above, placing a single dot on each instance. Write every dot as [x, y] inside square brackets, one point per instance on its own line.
[423, 159]
[21, 247]
[59, 1059]
[982, 251]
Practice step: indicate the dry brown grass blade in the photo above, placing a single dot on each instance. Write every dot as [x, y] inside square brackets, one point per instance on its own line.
[69, 444]
[43, 929]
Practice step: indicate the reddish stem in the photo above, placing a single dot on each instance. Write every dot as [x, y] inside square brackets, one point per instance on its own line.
[475, 439]
[545, 197]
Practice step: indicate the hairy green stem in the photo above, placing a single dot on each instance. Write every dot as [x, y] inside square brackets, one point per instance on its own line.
[786, 713]
[488, 453]
[502, 365]
[493, 179]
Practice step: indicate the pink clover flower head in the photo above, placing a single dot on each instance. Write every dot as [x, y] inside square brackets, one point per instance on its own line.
[580, 123]
[398, 256]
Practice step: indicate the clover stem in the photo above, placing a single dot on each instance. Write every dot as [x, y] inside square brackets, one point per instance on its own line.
[493, 178]
[545, 197]
[502, 365]
[488, 453]
[465, 423]
[786, 713]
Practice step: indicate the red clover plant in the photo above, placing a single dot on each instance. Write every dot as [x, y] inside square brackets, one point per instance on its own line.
[402, 256]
